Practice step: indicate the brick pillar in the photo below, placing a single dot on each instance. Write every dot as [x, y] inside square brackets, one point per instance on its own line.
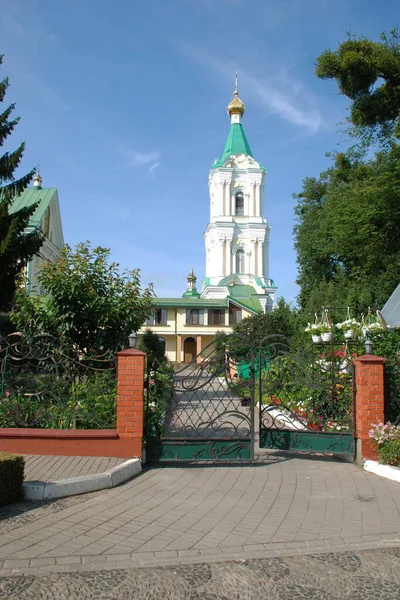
[369, 401]
[130, 405]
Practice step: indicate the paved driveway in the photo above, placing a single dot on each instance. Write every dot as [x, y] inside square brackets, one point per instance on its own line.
[181, 514]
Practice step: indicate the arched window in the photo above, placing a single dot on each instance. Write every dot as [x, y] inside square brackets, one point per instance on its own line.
[239, 204]
[240, 259]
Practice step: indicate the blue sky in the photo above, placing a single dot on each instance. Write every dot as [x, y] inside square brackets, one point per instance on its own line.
[123, 106]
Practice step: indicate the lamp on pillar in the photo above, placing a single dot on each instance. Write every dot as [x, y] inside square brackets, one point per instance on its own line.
[133, 338]
[368, 345]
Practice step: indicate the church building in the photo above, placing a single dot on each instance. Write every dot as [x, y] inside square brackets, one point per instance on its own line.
[237, 283]
[47, 218]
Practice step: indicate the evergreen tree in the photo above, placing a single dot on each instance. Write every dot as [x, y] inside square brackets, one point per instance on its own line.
[17, 247]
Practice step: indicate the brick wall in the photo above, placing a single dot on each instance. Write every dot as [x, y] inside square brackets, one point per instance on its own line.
[369, 402]
[123, 442]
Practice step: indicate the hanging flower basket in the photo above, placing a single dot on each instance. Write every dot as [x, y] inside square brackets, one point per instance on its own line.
[326, 336]
[349, 334]
[316, 338]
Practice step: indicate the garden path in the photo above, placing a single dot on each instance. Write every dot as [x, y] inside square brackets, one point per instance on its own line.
[204, 407]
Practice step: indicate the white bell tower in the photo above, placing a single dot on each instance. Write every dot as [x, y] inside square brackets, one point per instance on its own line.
[237, 236]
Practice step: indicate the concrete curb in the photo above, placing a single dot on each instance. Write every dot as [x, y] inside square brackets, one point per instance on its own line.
[49, 490]
[387, 471]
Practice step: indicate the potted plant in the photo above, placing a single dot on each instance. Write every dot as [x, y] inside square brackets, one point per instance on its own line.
[350, 327]
[325, 332]
[315, 334]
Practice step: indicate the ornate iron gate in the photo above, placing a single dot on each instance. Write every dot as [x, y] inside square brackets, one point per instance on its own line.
[306, 399]
[205, 412]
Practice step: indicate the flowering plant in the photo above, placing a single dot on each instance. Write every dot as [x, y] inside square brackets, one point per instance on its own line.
[386, 437]
[313, 327]
[349, 325]
[384, 432]
[376, 326]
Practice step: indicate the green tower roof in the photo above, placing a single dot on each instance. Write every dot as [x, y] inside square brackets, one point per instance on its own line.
[236, 143]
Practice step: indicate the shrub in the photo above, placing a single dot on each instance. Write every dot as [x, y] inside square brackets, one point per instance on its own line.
[50, 402]
[389, 453]
[386, 437]
[11, 477]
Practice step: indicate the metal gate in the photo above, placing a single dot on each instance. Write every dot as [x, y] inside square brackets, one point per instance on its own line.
[239, 398]
[306, 398]
[200, 412]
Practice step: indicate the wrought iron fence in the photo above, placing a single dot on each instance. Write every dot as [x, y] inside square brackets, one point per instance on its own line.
[306, 390]
[47, 383]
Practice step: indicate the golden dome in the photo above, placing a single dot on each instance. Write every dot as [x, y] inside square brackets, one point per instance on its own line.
[192, 277]
[235, 106]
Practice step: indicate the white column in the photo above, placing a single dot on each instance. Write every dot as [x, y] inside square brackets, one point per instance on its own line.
[253, 258]
[260, 269]
[227, 257]
[218, 269]
[223, 207]
[253, 201]
[257, 196]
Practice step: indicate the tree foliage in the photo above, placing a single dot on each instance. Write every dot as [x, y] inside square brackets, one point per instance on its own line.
[17, 247]
[86, 301]
[151, 344]
[282, 320]
[368, 73]
[346, 236]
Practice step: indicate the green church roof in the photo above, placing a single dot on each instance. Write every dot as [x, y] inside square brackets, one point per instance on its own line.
[236, 143]
[245, 296]
[29, 197]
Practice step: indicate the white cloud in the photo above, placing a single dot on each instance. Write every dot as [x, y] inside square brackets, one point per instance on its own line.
[279, 93]
[134, 159]
[153, 167]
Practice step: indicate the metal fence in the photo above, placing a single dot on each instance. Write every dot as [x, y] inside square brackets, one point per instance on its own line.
[47, 383]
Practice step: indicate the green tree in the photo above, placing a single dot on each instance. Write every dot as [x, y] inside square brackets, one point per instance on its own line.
[150, 344]
[368, 73]
[282, 321]
[346, 236]
[87, 303]
[17, 247]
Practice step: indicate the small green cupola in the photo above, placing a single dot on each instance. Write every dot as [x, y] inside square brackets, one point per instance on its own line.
[191, 291]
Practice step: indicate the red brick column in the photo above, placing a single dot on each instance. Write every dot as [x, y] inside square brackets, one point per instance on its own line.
[369, 401]
[130, 406]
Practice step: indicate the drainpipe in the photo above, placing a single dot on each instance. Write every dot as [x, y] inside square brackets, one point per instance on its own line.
[176, 336]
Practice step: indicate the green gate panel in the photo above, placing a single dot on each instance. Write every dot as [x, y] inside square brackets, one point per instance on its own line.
[167, 450]
[333, 443]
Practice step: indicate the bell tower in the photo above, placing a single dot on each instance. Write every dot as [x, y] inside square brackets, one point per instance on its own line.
[237, 236]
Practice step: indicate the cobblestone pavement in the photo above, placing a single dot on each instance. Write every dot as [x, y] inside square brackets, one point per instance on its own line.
[190, 514]
[53, 468]
[364, 575]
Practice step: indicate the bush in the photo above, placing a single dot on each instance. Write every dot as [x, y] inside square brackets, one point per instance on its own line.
[49, 402]
[11, 477]
[386, 437]
[389, 453]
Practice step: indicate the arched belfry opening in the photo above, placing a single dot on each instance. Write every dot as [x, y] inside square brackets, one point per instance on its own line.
[239, 204]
